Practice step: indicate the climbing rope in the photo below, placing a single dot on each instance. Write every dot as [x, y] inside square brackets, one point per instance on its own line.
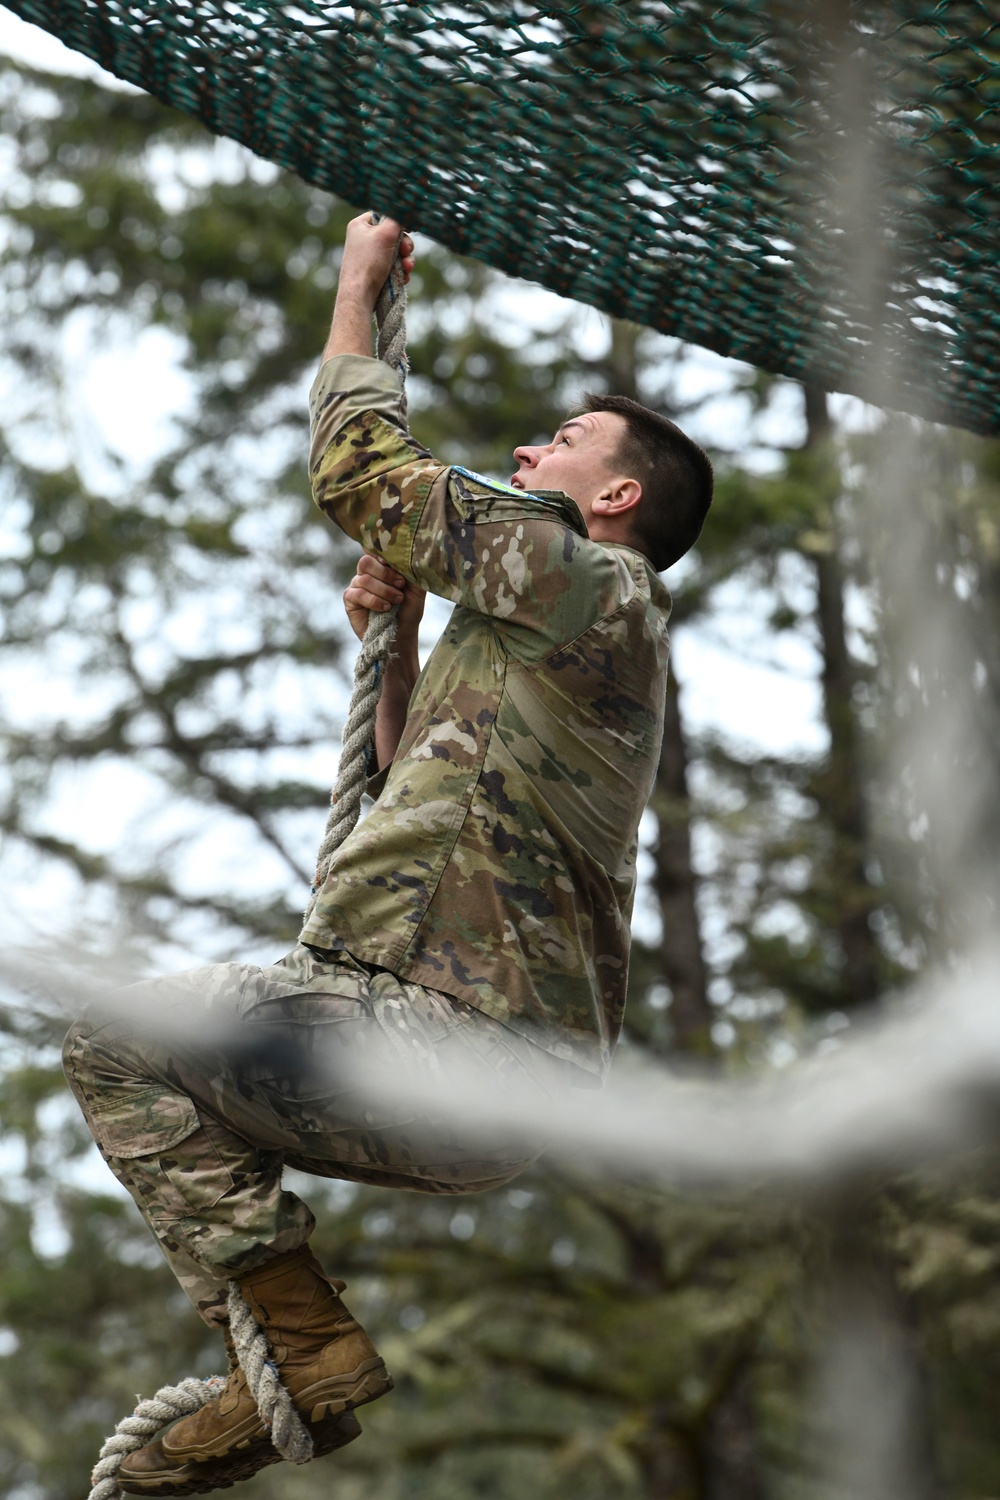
[352, 774]
[148, 1418]
[390, 322]
[288, 1432]
[376, 648]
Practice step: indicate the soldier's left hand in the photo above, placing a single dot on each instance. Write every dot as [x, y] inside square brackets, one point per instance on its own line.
[378, 586]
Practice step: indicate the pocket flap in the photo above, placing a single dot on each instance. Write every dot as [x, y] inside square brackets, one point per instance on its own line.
[150, 1120]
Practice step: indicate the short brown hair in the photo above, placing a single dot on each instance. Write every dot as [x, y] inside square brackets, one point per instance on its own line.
[675, 475]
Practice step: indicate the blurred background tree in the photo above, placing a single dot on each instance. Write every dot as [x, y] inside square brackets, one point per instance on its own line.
[173, 683]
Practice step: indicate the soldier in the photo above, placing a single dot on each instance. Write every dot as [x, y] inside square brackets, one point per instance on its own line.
[475, 925]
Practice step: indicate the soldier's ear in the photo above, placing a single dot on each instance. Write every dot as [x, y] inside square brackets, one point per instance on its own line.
[620, 496]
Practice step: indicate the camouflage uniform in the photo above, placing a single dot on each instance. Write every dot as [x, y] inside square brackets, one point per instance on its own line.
[499, 863]
[200, 1087]
[477, 919]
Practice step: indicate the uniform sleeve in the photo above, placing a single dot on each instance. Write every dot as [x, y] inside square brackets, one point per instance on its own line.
[514, 557]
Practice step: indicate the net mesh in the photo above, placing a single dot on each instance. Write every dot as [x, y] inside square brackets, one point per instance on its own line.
[810, 188]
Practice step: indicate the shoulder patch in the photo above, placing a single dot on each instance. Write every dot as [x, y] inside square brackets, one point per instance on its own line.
[489, 484]
[504, 502]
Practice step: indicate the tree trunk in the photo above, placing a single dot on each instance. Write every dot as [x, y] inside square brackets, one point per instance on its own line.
[733, 1468]
[872, 1423]
[841, 784]
[675, 884]
[669, 1467]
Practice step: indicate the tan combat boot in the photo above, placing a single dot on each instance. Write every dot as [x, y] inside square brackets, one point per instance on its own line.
[327, 1363]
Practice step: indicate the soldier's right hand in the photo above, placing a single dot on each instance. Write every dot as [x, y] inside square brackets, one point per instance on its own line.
[369, 252]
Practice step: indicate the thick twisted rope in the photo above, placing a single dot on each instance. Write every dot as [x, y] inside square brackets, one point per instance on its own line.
[288, 1432]
[149, 1417]
[376, 648]
[359, 733]
[390, 322]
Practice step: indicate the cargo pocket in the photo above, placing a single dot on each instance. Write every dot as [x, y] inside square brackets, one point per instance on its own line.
[162, 1151]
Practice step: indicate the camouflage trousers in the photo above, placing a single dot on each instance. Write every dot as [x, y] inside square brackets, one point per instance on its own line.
[200, 1088]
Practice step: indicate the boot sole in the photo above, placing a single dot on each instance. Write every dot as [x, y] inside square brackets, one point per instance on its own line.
[341, 1393]
[222, 1473]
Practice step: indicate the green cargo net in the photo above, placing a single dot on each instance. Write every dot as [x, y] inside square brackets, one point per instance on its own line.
[811, 187]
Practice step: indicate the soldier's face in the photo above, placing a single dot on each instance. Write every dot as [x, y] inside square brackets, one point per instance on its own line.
[580, 460]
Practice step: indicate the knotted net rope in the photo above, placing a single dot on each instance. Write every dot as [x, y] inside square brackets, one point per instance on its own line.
[288, 1432]
[690, 166]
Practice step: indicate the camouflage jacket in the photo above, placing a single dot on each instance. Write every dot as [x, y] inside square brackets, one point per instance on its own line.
[499, 862]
